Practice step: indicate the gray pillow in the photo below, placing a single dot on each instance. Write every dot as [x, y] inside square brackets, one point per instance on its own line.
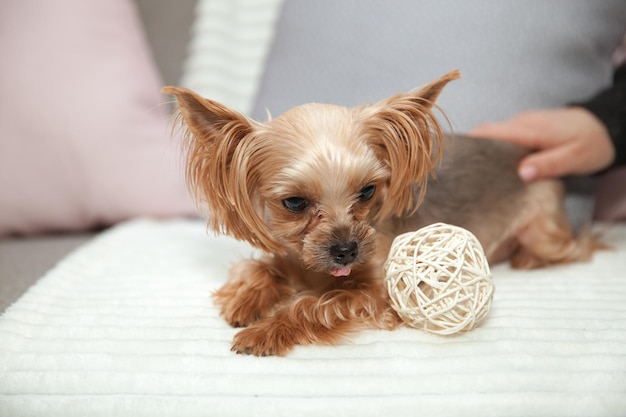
[512, 54]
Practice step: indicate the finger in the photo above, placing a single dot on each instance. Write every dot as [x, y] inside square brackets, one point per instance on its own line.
[550, 163]
[516, 133]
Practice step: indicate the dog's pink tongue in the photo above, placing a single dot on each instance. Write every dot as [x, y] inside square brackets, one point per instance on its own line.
[341, 272]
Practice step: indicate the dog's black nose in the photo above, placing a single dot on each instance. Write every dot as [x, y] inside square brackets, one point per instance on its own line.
[345, 252]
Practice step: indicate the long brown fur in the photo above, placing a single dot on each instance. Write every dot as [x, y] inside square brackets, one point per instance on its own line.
[323, 190]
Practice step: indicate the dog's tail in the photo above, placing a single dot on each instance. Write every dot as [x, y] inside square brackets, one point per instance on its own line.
[547, 237]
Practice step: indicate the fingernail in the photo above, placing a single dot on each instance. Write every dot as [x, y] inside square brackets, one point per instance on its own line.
[527, 173]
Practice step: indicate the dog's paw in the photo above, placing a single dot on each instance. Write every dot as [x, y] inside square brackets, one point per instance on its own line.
[239, 314]
[251, 293]
[264, 338]
[241, 304]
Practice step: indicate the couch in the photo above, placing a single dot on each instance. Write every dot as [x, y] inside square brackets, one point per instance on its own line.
[106, 267]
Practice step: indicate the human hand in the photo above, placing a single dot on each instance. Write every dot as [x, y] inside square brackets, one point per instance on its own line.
[564, 142]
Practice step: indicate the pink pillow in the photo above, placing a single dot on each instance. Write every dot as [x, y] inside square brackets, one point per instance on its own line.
[85, 134]
[611, 196]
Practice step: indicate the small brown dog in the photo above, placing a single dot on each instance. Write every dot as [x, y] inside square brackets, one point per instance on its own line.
[323, 190]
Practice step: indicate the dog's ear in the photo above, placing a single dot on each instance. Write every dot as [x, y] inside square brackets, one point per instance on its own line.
[217, 146]
[404, 133]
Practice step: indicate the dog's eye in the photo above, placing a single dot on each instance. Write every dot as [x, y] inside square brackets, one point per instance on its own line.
[367, 192]
[295, 204]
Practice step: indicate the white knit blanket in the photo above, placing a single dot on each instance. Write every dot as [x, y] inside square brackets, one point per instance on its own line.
[125, 326]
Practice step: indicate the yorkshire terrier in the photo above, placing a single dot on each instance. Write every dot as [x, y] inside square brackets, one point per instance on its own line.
[322, 190]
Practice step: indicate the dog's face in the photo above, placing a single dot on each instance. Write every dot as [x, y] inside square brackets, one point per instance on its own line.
[323, 186]
[316, 181]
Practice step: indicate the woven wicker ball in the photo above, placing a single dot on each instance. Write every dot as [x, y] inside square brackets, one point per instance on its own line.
[439, 280]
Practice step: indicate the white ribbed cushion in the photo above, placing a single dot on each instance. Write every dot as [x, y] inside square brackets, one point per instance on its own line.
[230, 40]
[125, 327]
